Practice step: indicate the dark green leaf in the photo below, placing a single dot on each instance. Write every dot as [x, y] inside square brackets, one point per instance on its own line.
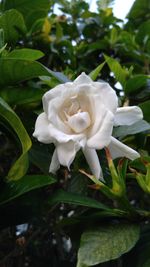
[107, 243]
[76, 199]
[135, 83]
[143, 34]
[20, 166]
[31, 10]
[12, 23]
[145, 106]
[15, 95]
[139, 9]
[14, 189]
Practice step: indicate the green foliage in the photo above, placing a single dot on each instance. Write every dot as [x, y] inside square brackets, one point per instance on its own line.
[39, 50]
[14, 189]
[106, 243]
[13, 25]
[21, 165]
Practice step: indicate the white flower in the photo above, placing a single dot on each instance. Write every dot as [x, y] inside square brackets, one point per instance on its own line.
[81, 115]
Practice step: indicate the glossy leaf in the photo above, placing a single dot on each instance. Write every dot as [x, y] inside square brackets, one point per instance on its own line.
[21, 95]
[145, 106]
[26, 54]
[139, 9]
[135, 83]
[76, 199]
[31, 10]
[119, 72]
[94, 74]
[20, 166]
[12, 23]
[14, 189]
[107, 243]
[17, 70]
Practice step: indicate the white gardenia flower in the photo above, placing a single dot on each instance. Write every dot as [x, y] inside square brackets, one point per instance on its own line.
[81, 115]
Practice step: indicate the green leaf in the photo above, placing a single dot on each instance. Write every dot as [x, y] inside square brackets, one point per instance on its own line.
[145, 264]
[12, 23]
[17, 70]
[119, 72]
[31, 10]
[23, 95]
[14, 189]
[20, 166]
[76, 199]
[93, 74]
[135, 83]
[107, 243]
[135, 128]
[139, 9]
[143, 34]
[26, 54]
[146, 110]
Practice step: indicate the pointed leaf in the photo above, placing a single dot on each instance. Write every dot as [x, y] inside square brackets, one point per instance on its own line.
[26, 54]
[93, 74]
[76, 199]
[27, 183]
[17, 70]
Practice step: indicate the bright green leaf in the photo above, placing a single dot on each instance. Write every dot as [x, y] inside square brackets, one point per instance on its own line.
[93, 74]
[20, 166]
[26, 54]
[14, 189]
[119, 72]
[107, 243]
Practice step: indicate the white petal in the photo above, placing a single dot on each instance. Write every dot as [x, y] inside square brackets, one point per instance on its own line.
[66, 152]
[107, 94]
[41, 131]
[51, 94]
[118, 149]
[103, 135]
[61, 137]
[93, 162]
[55, 165]
[79, 122]
[82, 78]
[128, 115]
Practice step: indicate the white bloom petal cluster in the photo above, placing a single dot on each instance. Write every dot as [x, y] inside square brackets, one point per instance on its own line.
[81, 115]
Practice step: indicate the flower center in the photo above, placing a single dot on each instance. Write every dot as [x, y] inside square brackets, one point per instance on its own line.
[79, 121]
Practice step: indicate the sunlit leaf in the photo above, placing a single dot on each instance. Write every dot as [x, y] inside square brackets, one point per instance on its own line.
[94, 74]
